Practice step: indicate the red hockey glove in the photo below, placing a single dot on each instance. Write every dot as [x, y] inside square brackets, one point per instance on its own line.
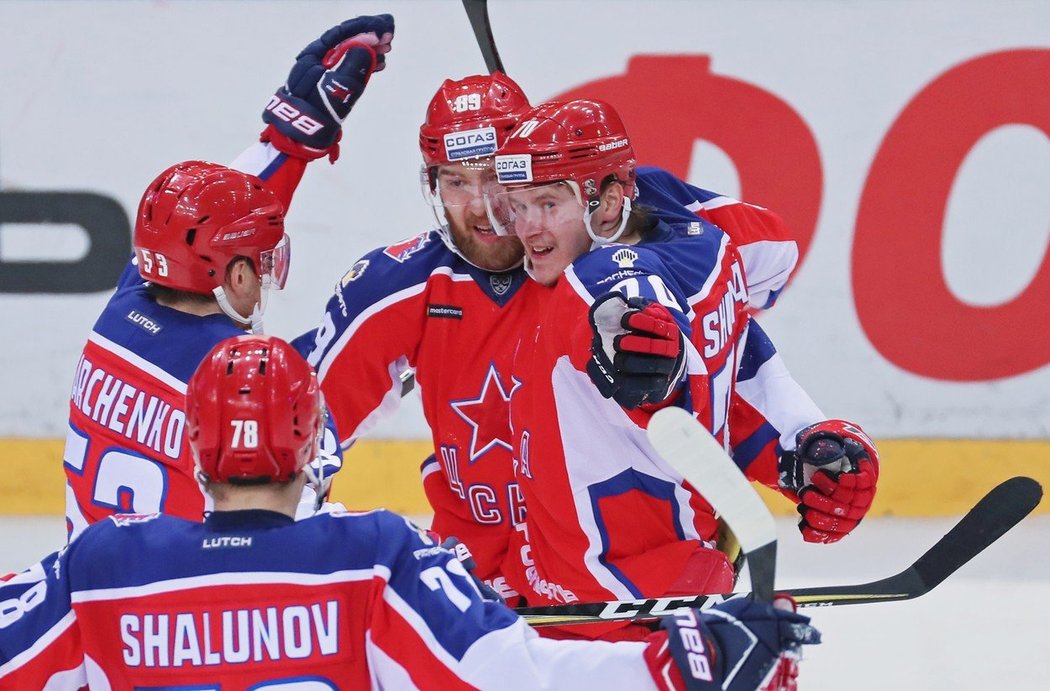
[304, 118]
[834, 471]
[738, 645]
[637, 353]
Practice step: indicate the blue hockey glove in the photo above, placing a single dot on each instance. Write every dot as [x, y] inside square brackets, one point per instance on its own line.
[305, 116]
[739, 645]
[637, 352]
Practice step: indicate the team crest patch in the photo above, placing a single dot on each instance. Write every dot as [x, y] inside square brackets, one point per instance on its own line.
[125, 519]
[500, 283]
[625, 258]
[406, 248]
[355, 272]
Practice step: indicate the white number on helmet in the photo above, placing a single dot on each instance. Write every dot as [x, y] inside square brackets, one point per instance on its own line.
[245, 434]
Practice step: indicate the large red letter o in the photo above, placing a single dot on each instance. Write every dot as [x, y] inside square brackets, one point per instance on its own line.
[903, 301]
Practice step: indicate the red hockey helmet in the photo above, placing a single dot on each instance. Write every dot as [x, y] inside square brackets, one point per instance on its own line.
[581, 141]
[469, 118]
[196, 217]
[253, 412]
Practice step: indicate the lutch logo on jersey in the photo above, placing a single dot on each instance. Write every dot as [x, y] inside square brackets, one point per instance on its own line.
[488, 414]
[516, 168]
[470, 143]
[406, 248]
[144, 322]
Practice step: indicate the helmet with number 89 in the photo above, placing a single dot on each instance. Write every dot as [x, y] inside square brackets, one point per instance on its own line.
[197, 217]
[253, 412]
[469, 118]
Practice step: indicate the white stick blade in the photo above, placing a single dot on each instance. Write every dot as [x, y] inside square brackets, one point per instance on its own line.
[691, 450]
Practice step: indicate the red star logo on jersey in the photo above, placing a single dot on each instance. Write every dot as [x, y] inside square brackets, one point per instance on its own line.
[488, 415]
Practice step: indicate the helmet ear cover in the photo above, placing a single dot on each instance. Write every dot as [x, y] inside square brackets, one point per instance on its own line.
[196, 217]
[253, 412]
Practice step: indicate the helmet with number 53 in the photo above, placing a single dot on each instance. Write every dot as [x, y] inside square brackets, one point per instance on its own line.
[196, 218]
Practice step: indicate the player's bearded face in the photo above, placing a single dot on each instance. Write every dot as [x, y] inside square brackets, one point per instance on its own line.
[548, 219]
[459, 190]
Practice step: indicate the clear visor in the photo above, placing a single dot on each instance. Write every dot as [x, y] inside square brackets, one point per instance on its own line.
[523, 211]
[457, 184]
[274, 263]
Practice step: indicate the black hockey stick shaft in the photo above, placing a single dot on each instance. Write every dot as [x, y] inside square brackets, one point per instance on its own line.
[995, 514]
[478, 14]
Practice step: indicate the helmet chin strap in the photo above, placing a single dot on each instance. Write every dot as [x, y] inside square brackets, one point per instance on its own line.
[625, 213]
[254, 321]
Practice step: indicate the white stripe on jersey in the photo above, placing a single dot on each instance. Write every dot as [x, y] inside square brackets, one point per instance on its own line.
[716, 272]
[388, 405]
[775, 394]
[144, 365]
[717, 203]
[517, 659]
[39, 645]
[768, 264]
[256, 158]
[415, 620]
[385, 671]
[591, 458]
[405, 293]
[220, 579]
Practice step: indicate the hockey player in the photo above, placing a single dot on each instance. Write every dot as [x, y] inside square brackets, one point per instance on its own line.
[656, 315]
[448, 303]
[252, 599]
[209, 242]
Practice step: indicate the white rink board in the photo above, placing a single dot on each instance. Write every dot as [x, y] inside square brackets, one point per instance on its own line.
[983, 628]
[101, 96]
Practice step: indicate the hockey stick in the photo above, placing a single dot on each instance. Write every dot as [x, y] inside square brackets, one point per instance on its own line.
[478, 14]
[690, 449]
[995, 514]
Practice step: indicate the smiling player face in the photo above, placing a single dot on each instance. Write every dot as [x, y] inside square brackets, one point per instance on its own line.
[548, 219]
[460, 186]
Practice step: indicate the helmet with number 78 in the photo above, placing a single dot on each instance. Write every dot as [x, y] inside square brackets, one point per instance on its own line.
[253, 412]
[197, 217]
